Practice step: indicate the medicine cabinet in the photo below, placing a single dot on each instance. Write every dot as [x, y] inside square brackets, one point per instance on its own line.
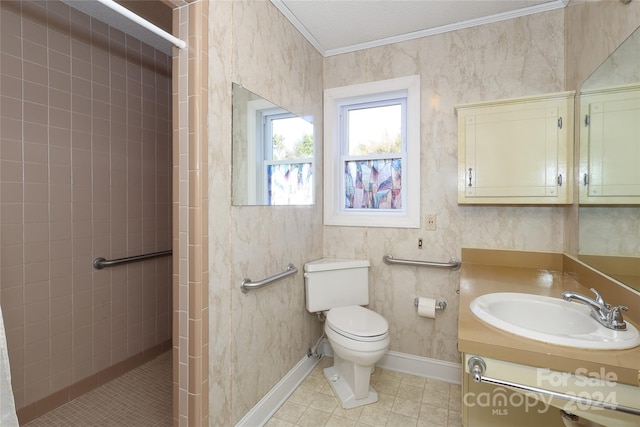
[609, 148]
[516, 151]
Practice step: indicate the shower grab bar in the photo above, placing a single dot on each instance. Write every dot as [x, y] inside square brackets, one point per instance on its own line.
[477, 366]
[247, 285]
[453, 263]
[100, 263]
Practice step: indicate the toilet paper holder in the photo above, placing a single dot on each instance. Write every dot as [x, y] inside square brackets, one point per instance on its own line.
[440, 305]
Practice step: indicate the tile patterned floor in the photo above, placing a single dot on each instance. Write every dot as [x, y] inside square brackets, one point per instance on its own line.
[140, 398]
[404, 400]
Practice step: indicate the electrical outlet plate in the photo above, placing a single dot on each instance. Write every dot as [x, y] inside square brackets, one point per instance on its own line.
[430, 222]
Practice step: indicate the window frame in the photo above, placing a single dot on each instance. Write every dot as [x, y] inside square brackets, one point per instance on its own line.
[335, 99]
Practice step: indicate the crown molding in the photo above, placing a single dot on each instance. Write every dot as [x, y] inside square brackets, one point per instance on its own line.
[545, 7]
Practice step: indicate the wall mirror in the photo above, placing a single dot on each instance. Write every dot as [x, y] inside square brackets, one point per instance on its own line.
[273, 153]
[609, 211]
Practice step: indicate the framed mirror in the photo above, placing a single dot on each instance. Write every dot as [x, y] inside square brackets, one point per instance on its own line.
[273, 153]
[609, 211]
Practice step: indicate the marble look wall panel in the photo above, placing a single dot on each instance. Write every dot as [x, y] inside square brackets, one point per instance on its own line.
[519, 57]
[256, 338]
[219, 213]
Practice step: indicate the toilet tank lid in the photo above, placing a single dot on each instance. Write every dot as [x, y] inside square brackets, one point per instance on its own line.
[326, 264]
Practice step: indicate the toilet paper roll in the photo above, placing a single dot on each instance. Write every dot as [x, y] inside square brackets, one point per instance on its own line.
[427, 307]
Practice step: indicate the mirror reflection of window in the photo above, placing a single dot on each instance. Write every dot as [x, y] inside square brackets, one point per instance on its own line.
[287, 165]
[272, 153]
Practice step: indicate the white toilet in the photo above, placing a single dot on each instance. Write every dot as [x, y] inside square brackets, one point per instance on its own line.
[358, 336]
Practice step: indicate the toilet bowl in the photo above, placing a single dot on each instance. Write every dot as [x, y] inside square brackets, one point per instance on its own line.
[359, 338]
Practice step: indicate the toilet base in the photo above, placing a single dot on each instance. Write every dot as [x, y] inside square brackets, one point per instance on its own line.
[342, 389]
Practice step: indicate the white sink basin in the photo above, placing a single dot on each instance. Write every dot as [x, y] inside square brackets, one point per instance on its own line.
[551, 320]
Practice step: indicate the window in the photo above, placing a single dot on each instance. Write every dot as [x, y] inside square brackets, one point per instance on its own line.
[372, 154]
[284, 150]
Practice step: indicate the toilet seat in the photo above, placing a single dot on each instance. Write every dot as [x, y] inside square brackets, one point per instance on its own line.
[357, 323]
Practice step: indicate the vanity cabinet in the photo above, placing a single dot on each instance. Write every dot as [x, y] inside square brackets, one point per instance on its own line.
[487, 405]
[610, 146]
[541, 394]
[516, 151]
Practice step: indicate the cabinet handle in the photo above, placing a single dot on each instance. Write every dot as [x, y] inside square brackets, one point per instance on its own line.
[585, 179]
[559, 122]
[560, 180]
[470, 177]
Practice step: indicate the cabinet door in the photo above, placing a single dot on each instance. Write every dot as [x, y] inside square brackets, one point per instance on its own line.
[486, 405]
[610, 147]
[515, 152]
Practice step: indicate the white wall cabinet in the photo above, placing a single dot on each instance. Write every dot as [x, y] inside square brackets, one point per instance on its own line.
[610, 146]
[516, 151]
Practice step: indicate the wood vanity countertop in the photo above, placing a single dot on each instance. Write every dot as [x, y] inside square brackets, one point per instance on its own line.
[478, 338]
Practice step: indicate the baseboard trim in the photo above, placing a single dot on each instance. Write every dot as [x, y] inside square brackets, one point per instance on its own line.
[422, 366]
[269, 404]
[260, 414]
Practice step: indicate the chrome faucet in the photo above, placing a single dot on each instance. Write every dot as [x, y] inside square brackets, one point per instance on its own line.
[600, 310]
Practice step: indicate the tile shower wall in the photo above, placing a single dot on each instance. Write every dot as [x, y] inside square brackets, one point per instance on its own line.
[517, 57]
[190, 219]
[85, 172]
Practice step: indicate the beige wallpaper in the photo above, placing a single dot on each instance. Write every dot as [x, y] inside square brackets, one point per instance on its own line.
[519, 57]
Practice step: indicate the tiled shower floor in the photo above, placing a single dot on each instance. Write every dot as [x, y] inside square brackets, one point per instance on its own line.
[139, 398]
[142, 398]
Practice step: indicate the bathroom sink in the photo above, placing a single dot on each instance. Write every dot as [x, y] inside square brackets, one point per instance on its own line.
[551, 320]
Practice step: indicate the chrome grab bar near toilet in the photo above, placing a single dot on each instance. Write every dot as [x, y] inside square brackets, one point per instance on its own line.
[100, 263]
[247, 285]
[477, 366]
[453, 263]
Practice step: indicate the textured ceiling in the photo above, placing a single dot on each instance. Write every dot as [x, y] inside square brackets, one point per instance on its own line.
[339, 26]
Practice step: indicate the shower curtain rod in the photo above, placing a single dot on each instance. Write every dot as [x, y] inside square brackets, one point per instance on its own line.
[117, 16]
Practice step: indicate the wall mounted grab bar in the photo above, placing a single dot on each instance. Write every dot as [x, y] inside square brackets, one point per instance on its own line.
[247, 285]
[453, 263]
[100, 263]
[477, 366]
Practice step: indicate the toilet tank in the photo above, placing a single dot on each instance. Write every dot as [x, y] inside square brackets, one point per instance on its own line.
[333, 283]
